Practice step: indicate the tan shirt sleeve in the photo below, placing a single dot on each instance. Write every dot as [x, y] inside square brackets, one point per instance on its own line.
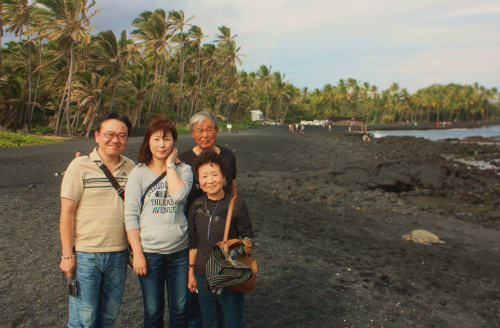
[72, 183]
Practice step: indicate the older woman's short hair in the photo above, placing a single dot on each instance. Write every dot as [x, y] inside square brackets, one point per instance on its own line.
[208, 157]
[200, 117]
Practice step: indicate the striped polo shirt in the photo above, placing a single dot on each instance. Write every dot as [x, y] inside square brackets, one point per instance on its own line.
[99, 225]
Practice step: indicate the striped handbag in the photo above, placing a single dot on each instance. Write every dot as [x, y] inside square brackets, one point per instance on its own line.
[221, 271]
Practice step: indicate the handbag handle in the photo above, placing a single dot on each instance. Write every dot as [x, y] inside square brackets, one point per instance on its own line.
[228, 221]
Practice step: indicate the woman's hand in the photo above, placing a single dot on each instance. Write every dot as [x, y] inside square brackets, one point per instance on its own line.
[139, 263]
[68, 266]
[172, 158]
[193, 288]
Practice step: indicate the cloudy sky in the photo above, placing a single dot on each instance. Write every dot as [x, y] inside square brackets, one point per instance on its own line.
[413, 42]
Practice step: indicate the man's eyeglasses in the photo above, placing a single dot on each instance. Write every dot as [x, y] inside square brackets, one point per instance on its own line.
[207, 130]
[111, 135]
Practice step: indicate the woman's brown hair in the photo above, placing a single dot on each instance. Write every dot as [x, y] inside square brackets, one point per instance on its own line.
[159, 123]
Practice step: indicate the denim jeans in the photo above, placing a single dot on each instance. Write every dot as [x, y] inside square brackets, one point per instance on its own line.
[194, 312]
[100, 278]
[230, 307]
[169, 269]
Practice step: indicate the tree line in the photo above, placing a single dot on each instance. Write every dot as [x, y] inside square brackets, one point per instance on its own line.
[60, 74]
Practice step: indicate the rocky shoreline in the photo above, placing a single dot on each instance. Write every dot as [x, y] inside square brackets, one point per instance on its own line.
[329, 212]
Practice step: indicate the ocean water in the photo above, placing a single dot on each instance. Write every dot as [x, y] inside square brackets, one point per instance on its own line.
[438, 134]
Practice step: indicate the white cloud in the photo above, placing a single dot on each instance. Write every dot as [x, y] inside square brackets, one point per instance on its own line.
[316, 41]
[475, 10]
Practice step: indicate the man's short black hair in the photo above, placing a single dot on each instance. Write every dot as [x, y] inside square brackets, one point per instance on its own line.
[115, 116]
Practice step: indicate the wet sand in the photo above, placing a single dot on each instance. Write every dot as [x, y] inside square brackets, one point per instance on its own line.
[329, 212]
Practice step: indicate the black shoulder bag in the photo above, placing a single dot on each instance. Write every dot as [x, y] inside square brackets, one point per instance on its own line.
[119, 189]
[154, 183]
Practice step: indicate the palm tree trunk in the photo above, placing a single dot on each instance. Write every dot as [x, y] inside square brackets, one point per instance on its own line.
[37, 82]
[114, 88]
[68, 99]
[58, 119]
[153, 90]
[218, 104]
[91, 121]
[1, 35]
[279, 111]
[180, 106]
[137, 113]
[282, 121]
[27, 117]
[34, 98]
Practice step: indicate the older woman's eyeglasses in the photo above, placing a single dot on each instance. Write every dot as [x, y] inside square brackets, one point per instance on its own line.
[210, 129]
[111, 135]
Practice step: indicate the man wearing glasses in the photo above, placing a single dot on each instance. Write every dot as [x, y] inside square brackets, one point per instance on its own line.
[94, 243]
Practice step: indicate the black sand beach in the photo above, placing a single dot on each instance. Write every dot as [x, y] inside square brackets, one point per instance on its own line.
[329, 212]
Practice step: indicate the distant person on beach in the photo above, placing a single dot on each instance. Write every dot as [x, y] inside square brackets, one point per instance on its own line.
[207, 221]
[157, 230]
[78, 153]
[329, 127]
[94, 244]
[302, 128]
[204, 130]
[297, 127]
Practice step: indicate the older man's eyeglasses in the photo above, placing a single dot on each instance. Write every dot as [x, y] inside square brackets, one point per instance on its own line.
[207, 130]
[111, 135]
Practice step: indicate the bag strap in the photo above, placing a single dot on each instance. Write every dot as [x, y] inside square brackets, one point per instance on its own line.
[119, 189]
[154, 183]
[228, 219]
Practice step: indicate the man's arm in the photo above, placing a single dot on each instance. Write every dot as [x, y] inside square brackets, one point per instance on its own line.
[66, 230]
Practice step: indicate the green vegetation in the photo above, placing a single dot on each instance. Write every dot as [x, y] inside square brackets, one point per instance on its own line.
[11, 139]
[58, 76]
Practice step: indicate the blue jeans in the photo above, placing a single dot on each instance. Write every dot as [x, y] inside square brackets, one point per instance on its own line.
[230, 307]
[194, 312]
[100, 278]
[169, 269]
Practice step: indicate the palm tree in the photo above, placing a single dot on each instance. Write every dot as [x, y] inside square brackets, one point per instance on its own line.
[280, 92]
[17, 18]
[1, 36]
[179, 24]
[228, 56]
[264, 86]
[154, 32]
[109, 54]
[196, 35]
[292, 96]
[134, 90]
[66, 21]
[88, 92]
